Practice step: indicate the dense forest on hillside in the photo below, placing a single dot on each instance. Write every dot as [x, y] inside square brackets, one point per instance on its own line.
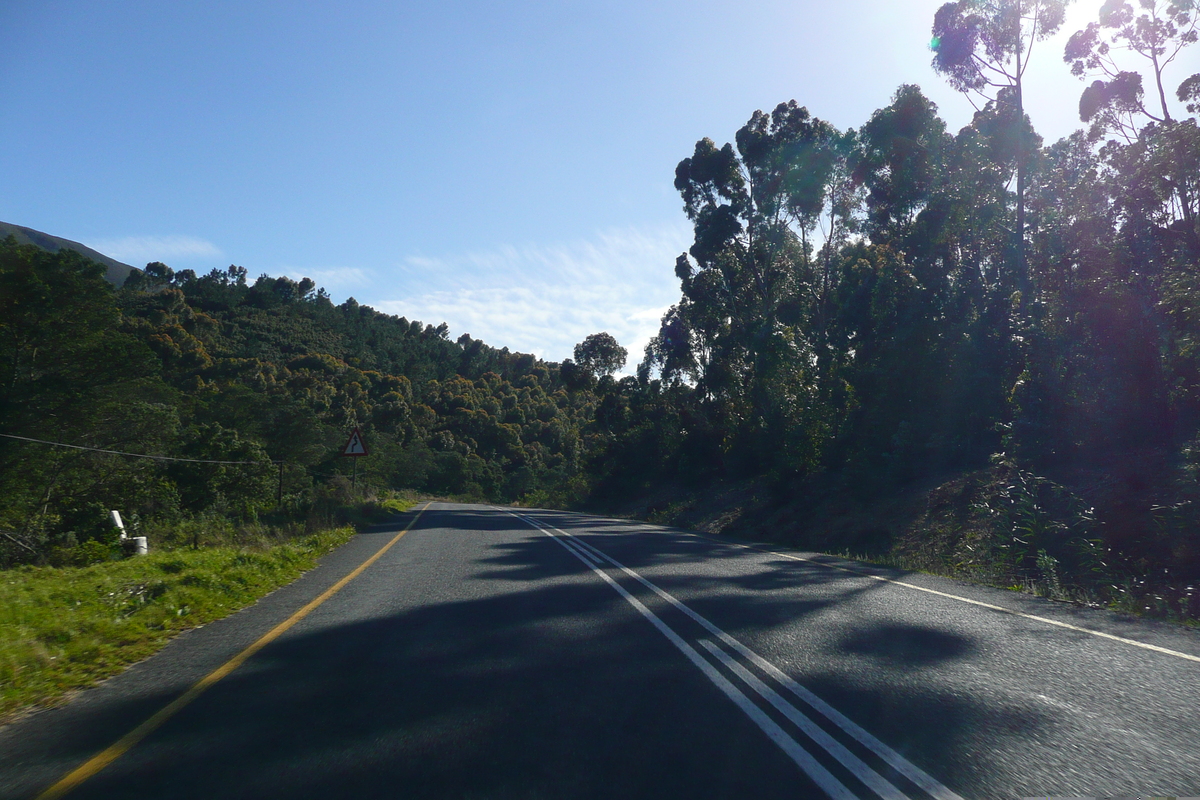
[863, 310]
[271, 372]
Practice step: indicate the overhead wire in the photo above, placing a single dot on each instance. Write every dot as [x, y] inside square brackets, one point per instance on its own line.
[130, 455]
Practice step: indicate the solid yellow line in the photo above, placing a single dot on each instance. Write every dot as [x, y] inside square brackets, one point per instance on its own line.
[129, 740]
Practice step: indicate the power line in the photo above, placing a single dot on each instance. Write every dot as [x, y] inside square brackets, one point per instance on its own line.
[130, 455]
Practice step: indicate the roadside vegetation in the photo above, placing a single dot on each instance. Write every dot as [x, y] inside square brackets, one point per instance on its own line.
[65, 627]
[971, 352]
[980, 526]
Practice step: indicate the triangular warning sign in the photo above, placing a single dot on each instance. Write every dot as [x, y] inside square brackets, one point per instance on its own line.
[354, 445]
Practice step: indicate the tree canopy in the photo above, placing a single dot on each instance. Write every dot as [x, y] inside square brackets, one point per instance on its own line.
[859, 310]
[600, 354]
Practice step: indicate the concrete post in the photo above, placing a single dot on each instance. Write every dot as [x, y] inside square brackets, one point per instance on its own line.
[136, 545]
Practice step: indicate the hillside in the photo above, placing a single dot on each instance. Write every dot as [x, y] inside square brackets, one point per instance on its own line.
[115, 271]
[259, 384]
[864, 356]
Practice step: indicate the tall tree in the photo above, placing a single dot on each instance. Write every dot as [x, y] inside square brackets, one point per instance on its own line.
[1156, 33]
[900, 158]
[748, 327]
[982, 47]
[600, 354]
[1156, 163]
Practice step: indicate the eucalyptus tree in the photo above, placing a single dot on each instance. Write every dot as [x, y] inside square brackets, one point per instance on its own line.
[1152, 36]
[766, 216]
[600, 354]
[1155, 169]
[983, 47]
[900, 162]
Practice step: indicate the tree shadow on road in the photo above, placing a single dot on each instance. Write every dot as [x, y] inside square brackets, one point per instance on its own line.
[908, 646]
[537, 680]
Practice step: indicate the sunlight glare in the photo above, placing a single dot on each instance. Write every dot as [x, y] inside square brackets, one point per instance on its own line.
[1081, 12]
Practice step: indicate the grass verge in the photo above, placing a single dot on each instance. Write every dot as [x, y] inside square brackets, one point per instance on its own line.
[66, 628]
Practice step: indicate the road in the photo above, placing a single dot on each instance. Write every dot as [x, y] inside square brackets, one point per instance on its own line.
[508, 653]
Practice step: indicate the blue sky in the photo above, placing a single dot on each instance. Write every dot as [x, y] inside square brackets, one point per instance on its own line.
[503, 167]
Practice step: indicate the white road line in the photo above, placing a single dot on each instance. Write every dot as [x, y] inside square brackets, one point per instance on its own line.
[1132, 642]
[835, 748]
[890, 756]
[580, 553]
[803, 759]
[897, 761]
[981, 604]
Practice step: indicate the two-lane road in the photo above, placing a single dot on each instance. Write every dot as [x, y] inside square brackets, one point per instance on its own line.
[495, 653]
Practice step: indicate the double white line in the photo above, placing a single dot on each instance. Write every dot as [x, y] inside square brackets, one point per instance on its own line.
[863, 772]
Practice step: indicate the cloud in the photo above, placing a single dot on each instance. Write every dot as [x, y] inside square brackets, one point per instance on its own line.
[339, 280]
[144, 249]
[652, 314]
[543, 299]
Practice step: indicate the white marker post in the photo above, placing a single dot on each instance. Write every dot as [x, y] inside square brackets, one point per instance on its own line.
[135, 543]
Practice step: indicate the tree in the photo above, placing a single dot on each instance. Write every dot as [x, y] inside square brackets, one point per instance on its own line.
[749, 330]
[600, 354]
[900, 157]
[983, 47]
[69, 373]
[755, 213]
[1157, 35]
[1156, 165]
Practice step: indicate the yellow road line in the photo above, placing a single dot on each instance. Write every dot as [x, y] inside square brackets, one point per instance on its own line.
[129, 740]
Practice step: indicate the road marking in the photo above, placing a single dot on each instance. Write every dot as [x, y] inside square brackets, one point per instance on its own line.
[894, 759]
[961, 599]
[980, 603]
[581, 554]
[127, 742]
[835, 748]
[803, 759]
[855, 765]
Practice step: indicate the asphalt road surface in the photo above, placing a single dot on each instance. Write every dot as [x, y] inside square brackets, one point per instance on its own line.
[500, 653]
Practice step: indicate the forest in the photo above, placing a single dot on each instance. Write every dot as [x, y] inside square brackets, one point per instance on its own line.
[1002, 333]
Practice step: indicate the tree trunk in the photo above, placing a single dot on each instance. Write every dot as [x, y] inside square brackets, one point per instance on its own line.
[1022, 267]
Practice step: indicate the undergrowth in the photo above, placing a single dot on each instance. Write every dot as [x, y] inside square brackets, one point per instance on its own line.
[1003, 526]
[66, 627]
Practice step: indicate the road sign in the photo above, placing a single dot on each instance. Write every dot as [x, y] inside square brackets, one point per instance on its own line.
[354, 445]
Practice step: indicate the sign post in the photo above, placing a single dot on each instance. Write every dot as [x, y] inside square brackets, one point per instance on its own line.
[356, 449]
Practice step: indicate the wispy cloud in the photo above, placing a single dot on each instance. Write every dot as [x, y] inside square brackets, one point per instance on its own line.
[544, 299]
[144, 249]
[338, 280]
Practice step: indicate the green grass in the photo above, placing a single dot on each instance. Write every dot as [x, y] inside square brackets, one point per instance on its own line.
[398, 504]
[66, 628]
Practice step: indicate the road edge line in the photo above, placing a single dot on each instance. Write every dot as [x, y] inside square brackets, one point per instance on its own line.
[990, 606]
[127, 742]
[768, 550]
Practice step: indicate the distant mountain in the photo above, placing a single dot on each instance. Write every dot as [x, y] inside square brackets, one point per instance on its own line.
[116, 273]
